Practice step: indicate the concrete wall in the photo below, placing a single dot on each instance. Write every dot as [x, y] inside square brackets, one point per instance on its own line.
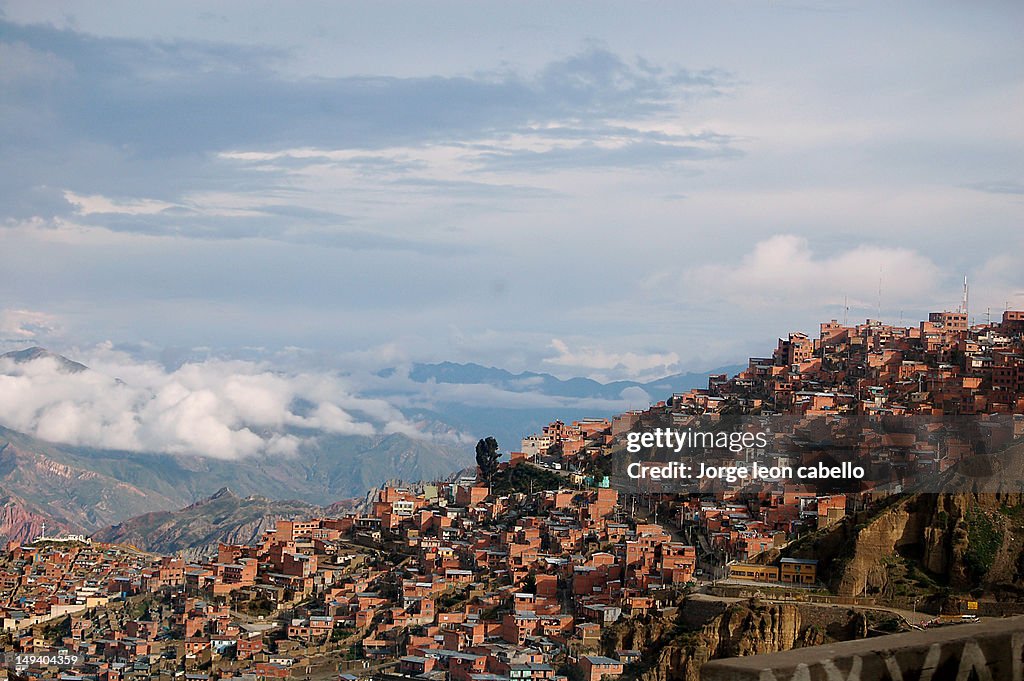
[987, 651]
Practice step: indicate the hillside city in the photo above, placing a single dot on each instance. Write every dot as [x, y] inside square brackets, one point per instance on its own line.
[553, 566]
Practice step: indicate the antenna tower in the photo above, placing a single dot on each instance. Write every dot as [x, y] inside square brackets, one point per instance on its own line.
[964, 305]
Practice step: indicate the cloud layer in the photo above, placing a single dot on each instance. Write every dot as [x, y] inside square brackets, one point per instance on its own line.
[656, 186]
[602, 364]
[197, 404]
[784, 269]
[222, 409]
[19, 325]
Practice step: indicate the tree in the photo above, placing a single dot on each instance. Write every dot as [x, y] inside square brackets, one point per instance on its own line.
[487, 456]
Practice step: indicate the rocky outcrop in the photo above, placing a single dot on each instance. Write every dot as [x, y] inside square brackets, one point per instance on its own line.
[964, 536]
[677, 653]
[198, 528]
[87, 489]
[885, 536]
[20, 524]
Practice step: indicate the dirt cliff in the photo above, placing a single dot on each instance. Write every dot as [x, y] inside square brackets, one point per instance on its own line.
[676, 652]
[967, 536]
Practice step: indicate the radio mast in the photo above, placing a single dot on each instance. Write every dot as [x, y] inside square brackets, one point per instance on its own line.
[964, 304]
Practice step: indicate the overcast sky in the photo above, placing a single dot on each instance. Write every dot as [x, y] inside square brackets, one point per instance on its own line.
[581, 188]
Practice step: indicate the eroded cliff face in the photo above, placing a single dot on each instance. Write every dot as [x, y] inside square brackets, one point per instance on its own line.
[966, 539]
[19, 524]
[900, 528]
[675, 653]
[196, 530]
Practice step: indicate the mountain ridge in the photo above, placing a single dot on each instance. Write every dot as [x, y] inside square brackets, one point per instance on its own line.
[81, 489]
[197, 528]
[549, 384]
[36, 353]
[85, 489]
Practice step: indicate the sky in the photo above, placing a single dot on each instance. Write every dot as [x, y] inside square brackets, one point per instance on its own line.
[608, 190]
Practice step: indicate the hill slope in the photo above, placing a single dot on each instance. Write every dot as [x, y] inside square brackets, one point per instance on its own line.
[82, 489]
[966, 535]
[199, 527]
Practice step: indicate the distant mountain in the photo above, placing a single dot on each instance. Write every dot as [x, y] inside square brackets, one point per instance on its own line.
[196, 529]
[50, 482]
[567, 399]
[529, 381]
[35, 353]
[21, 521]
[83, 489]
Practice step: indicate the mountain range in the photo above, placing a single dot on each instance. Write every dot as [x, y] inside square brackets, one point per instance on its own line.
[83, 489]
[36, 353]
[197, 528]
[87, 490]
[523, 403]
[546, 384]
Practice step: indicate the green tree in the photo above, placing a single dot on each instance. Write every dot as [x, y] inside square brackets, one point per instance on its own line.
[487, 456]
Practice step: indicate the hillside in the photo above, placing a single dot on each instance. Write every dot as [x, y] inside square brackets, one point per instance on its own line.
[83, 489]
[66, 491]
[967, 535]
[36, 353]
[21, 521]
[675, 648]
[199, 527]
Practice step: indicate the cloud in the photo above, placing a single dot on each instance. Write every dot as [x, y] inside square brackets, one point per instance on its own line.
[96, 204]
[632, 154]
[603, 365]
[194, 139]
[26, 324]
[216, 408]
[179, 97]
[783, 269]
[636, 396]
[998, 187]
[998, 283]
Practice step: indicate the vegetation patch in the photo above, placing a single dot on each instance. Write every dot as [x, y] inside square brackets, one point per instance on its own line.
[1015, 513]
[983, 541]
[525, 479]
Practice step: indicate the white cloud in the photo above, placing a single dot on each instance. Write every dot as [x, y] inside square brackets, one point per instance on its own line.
[216, 408]
[636, 396]
[784, 269]
[998, 284]
[97, 204]
[603, 365]
[26, 324]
